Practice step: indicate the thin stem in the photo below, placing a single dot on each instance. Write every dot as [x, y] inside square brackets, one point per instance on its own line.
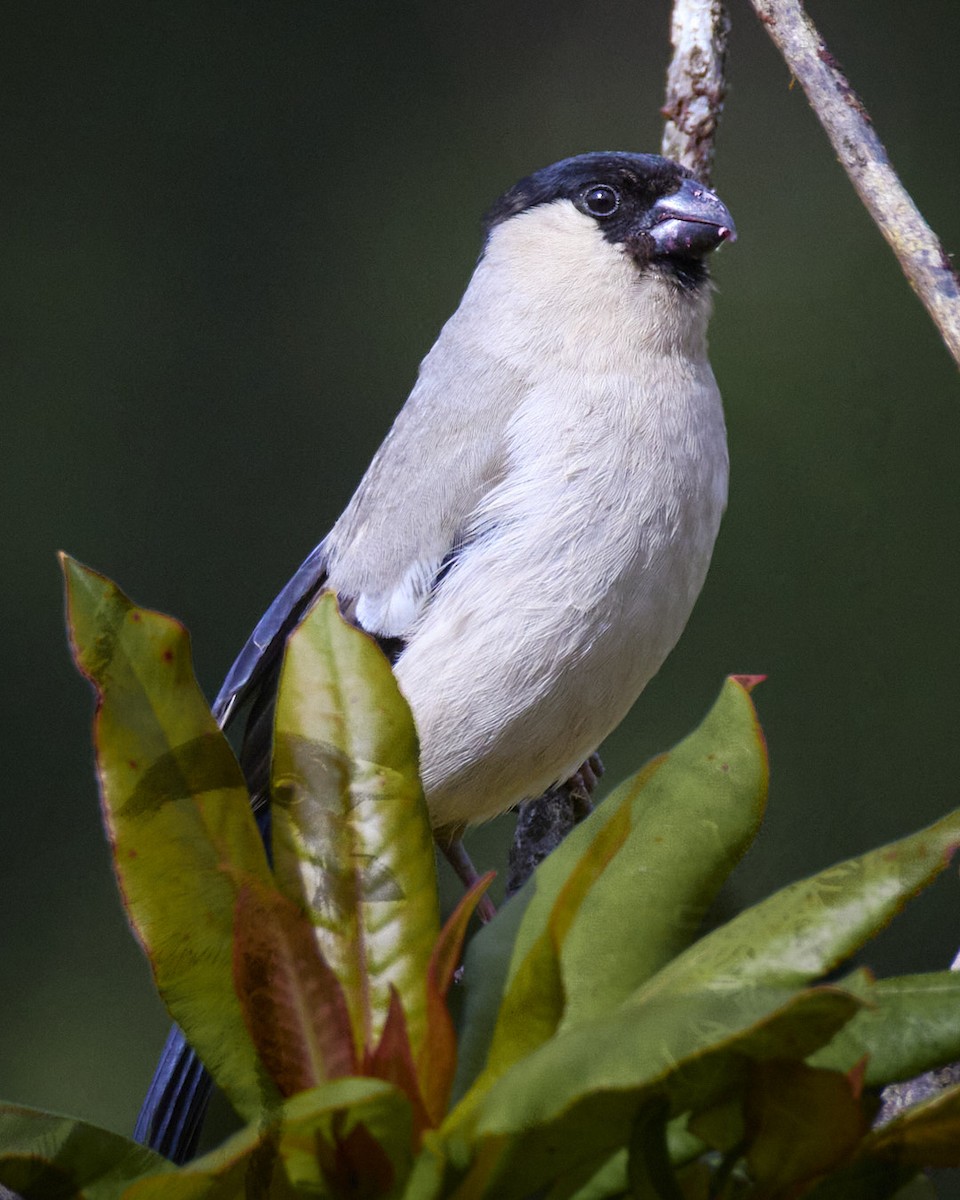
[862, 155]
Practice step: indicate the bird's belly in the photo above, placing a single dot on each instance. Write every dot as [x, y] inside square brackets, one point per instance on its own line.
[510, 695]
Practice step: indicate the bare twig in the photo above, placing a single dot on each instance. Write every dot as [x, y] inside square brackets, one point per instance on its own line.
[861, 153]
[695, 83]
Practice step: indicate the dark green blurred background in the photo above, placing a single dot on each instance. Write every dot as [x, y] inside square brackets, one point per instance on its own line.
[230, 232]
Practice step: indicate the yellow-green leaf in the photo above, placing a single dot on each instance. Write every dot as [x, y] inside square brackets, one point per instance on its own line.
[42, 1154]
[351, 836]
[925, 1136]
[909, 1026]
[178, 815]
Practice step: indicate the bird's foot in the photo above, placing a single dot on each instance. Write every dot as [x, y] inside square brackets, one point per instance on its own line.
[581, 786]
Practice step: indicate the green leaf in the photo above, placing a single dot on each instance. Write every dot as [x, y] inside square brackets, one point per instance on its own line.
[292, 1002]
[608, 1175]
[44, 1155]
[910, 1027]
[693, 819]
[721, 766]
[178, 815]
[351, 835]
[804, 930]
[581, 1089]
[533, 1004]
[427, 1177]
[593, 1182]
[349, 1138]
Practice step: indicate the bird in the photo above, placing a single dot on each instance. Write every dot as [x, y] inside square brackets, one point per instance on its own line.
[529, 540]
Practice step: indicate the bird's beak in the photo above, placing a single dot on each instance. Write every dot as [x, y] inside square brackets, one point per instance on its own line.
[691, 222]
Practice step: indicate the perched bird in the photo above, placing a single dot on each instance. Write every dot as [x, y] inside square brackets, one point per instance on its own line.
[528, 542]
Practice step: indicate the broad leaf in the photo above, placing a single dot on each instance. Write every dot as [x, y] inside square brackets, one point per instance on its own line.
[427, 1177]
[804, 930]
[533, 1005]
[693, 820]
[909, 1027]
[351, 836]
[178, 815]
[713, 782]
[42, 1155]
[577, 1095]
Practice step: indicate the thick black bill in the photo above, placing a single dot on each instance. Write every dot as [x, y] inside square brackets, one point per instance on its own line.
[691, 221]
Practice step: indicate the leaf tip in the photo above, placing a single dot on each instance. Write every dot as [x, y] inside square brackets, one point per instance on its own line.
[748, 682]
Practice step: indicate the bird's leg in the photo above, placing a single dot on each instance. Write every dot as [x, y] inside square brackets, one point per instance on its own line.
[544, 822]
[450, 842]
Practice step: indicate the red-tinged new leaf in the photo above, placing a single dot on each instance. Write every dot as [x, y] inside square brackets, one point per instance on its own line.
[446, 953]
[438, 1055]
[392, 1061]
[292, 1002]
[801, 1123]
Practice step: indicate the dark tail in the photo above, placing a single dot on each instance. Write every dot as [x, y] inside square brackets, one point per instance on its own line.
[172, 1114]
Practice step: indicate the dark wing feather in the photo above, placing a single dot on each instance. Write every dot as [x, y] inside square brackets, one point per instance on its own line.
[264, 647]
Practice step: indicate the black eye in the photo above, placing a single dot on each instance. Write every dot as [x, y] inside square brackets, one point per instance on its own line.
[601, 200]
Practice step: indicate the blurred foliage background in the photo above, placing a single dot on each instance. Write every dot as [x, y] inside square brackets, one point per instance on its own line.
[230, 232]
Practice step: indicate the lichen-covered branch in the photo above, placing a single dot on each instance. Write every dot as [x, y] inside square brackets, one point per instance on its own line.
[862, 155]
[695, 83]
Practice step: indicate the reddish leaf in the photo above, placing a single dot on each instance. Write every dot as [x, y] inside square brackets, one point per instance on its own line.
[749, 682]
[801, 1123]
[392, 1061]
[446, 953]
[438, 1054]
[356, 1165]
[292, 1003]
